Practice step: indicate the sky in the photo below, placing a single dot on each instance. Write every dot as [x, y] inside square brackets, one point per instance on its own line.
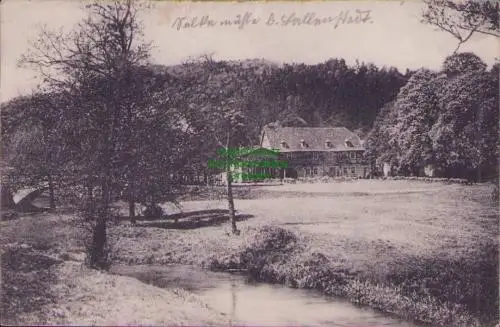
[392, 34]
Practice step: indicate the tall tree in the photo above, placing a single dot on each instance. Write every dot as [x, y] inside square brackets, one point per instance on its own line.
[93, 63]
[148, 115]
[380, 148]
[217, 111]
[448, 118]
[417, 109]
[465, 136]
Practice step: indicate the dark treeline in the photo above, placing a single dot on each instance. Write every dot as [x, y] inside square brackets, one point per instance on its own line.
[326, 94]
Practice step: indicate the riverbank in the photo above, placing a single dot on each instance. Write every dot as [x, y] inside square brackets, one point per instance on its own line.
[44, 281]
[425, 252]
[276, 255]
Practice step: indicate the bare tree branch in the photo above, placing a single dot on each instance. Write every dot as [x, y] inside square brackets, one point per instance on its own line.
[463, 19]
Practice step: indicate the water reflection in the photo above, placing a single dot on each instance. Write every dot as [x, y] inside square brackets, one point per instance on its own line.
[233, 302]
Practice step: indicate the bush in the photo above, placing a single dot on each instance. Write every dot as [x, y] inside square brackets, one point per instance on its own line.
[270, 238]
[314, 271]
[8, 215]
[153, 212]
[271, 245]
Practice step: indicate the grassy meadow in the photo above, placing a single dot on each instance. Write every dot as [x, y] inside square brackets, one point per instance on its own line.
[425, 251]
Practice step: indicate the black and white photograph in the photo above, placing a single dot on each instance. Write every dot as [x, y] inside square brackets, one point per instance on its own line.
[249, 163]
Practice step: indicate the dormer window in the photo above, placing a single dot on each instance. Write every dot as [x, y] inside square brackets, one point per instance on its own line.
[303, 144]
[328, 144]
[349, 144]
[284, 145]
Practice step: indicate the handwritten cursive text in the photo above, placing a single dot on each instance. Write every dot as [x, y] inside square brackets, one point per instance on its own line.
[240, 21]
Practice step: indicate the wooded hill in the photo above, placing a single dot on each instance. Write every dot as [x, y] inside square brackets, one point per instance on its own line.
[327, 94]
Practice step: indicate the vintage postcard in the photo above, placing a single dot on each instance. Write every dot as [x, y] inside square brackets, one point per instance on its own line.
[279, 163]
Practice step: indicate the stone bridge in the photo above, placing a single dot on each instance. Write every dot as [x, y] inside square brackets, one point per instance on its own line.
[22, 199]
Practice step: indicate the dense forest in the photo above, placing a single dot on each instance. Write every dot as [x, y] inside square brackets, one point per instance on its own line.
[326, 94]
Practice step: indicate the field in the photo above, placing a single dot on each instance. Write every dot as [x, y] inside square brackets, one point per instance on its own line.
[429, 239]
[424, 251]
[368, 223]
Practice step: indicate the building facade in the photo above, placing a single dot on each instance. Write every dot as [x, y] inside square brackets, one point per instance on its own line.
[316, 151]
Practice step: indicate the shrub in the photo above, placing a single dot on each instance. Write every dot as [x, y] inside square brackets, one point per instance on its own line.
[8, 215]
[270, 246]
[270, 238]
[153, 212]
[314, 271]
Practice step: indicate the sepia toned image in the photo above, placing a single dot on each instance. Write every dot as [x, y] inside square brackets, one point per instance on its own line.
[294, 163]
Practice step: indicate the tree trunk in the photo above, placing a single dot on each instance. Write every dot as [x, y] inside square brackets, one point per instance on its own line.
[52, 198]
[131, 211]
[90, 199]
[7, 199]
[98, 252]
[131, 202]
[233, 302]
[230, 201]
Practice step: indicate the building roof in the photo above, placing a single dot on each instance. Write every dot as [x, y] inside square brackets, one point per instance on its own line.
[311, 139]
[259, 152]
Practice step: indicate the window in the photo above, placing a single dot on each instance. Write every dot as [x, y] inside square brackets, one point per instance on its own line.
[345, 170]
[328, 143]
[353, 170]
[303, 144]
[348, 144]
[352, 155]
[315, 155]
[315, 171]
[284, 145]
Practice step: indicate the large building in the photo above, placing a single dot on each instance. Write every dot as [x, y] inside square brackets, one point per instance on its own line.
[316, 151]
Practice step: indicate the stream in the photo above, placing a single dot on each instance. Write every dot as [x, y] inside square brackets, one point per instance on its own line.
[260, 304]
